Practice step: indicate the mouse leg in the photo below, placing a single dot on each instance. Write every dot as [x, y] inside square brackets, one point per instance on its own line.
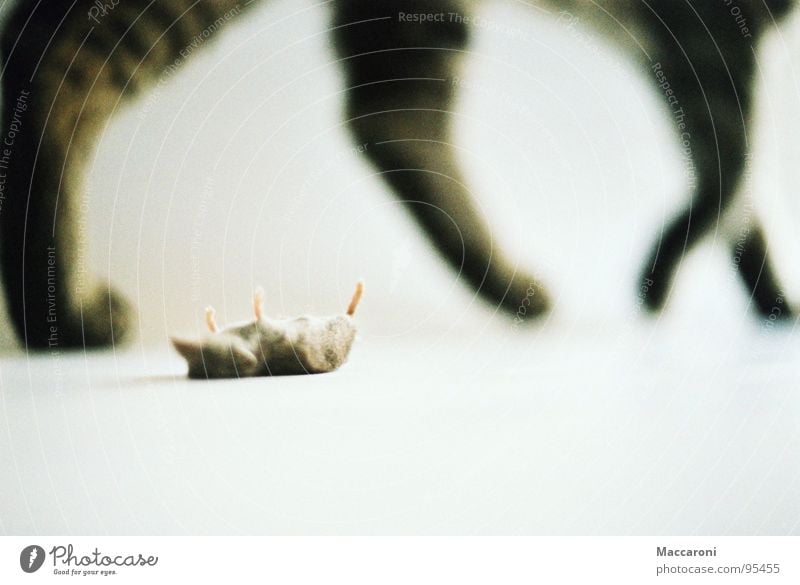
[258, 303]
[211, 320]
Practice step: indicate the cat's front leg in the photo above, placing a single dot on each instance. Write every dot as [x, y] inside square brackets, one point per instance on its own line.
[67, 68]
[52, 298]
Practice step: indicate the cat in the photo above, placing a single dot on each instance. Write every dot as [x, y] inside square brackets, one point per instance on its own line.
[68, 66]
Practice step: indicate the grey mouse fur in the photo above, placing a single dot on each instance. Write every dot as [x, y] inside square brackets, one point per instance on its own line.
[271, 347]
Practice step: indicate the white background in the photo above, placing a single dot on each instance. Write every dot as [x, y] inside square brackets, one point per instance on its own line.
[596, 421]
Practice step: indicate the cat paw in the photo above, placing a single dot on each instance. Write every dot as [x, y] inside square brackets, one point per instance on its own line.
[106, 319]
[773, 308]
[523, 298]
[653, 292]
[102, 319]
[527, 303]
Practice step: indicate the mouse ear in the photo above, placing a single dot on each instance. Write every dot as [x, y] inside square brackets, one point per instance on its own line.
[189, 349]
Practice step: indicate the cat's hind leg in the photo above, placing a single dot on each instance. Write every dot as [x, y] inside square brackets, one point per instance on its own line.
[751, 259]
[703, 68]
[400, 60]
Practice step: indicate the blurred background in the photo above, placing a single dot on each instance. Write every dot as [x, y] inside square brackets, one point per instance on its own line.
[237, 172]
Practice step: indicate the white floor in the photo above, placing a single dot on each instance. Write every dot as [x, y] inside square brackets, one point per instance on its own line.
[692, 430]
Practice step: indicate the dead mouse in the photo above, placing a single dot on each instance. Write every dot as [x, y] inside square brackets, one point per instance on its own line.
[272, 347]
